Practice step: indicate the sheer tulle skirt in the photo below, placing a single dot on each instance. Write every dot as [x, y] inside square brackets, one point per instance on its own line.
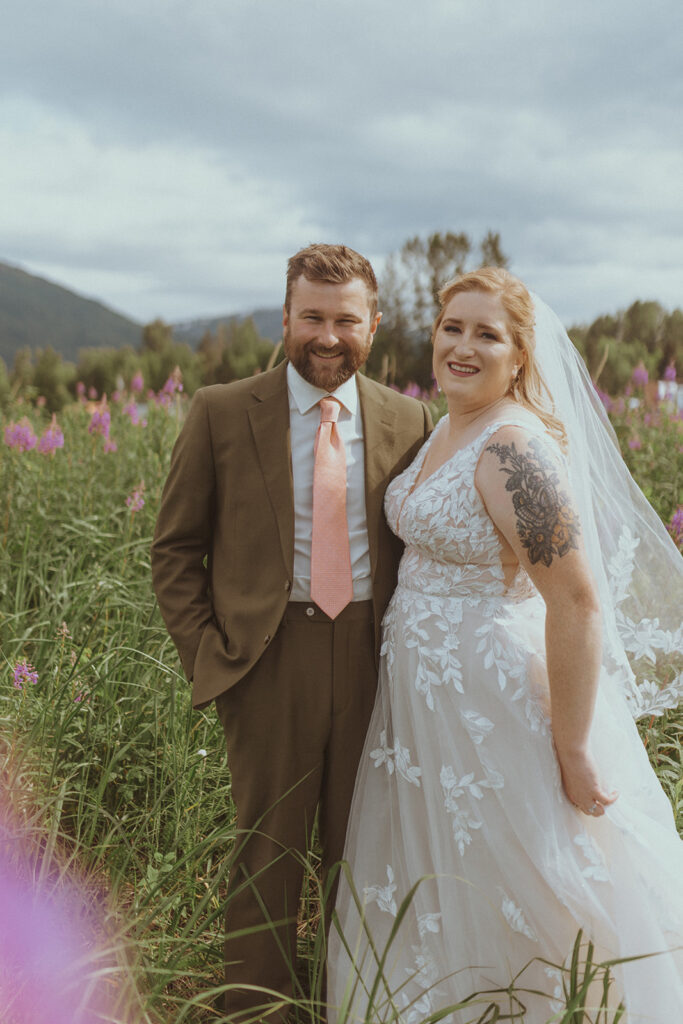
[459, 787]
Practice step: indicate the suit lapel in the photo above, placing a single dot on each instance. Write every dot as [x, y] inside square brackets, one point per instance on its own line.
[379, 435]
[269, 420]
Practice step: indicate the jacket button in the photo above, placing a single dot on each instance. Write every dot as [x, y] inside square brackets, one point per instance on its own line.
[267, 638]
[288, 585]
[310, 611]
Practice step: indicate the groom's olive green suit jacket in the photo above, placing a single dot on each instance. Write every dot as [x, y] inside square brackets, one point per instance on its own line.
[223, 550]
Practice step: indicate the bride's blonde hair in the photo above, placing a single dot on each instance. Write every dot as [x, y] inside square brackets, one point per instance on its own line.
[528, 387]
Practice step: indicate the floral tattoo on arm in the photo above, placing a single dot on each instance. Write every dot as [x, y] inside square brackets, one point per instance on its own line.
[546, 523]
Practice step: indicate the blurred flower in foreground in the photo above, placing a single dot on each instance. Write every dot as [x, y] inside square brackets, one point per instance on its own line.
[135, 500]
[635, 444]
[44, 953]
[137, 383]
[110, 445]
[20, 435]
[670, 372]
[52, 438]
[24, 673]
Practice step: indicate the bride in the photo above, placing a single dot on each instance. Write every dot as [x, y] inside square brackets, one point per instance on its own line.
[537, 613]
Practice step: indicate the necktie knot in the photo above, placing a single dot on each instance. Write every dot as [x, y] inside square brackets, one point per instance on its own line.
[329, 410]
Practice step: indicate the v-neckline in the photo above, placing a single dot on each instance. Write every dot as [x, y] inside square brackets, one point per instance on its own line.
[419, 484]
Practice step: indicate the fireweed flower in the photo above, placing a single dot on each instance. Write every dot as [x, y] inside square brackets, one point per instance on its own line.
[92, 394]
[635, 444]
[48, 956]
[24, 673]
[20, 435]
[80, 390]
[640, 375]
[52, 439]
[670, 372]
[675, 527]
[110, 445]
[137, 383]
[173, 384]
[131, 410]
[135, 500]
[100, 421]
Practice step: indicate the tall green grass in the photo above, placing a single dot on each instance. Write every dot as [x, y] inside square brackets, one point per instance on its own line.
[107, 774]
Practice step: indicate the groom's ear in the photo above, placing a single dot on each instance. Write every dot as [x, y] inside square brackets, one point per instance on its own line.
[374, 323]
[285, 318]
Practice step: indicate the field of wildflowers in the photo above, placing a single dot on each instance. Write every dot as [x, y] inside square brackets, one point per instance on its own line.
[115, 807]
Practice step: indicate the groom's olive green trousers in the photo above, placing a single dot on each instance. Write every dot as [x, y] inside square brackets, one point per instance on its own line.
[294, 728]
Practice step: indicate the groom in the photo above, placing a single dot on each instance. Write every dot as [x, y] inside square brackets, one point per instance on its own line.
[273, 566]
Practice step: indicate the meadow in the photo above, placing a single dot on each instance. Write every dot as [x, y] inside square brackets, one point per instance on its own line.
[113, 790]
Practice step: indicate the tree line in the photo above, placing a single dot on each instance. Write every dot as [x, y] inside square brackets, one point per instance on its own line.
[612, 346]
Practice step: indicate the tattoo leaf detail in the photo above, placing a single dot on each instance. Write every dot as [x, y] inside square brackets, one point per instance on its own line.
[546, 523]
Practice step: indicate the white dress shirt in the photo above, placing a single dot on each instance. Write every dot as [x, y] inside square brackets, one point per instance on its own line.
[304, 419]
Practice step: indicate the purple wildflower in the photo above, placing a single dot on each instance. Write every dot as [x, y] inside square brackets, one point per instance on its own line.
[110, 445]
[135, 500]
[92, 394]
[635, 444]
[675, 527]
[20, 435]
[670, 372]
[412, 390]
[100, 421]
[24, 673]
[52, 439]
[48, 955]
[80, 389]
[137, 383]
[604, 398]
[640, 375]
[133, 412]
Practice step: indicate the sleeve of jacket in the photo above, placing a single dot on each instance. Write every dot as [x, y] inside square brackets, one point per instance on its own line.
[182, 539]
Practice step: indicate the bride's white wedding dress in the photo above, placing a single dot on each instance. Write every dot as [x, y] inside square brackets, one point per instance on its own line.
[459, 786]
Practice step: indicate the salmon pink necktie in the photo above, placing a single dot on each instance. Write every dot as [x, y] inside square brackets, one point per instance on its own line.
[331, 582]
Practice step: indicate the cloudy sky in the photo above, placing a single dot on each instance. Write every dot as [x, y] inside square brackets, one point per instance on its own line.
[166, 156]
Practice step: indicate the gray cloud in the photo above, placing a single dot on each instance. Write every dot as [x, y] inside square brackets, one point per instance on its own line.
[170, 155]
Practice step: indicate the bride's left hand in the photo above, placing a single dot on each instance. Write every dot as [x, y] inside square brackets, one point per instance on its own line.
[582, 784]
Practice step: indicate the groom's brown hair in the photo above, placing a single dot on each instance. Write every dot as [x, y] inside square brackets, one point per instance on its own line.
[331, 264]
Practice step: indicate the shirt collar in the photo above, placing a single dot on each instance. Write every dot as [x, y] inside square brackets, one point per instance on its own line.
[306, 395]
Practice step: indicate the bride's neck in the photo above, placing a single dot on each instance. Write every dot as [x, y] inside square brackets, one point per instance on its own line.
[464, 422]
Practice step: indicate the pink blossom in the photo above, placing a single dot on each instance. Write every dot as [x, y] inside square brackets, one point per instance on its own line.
[20, 435]
[100, 421]
[80, 389]
[47, 951]
[635, 444]
[137, 383]
[675, 527]
[135, 500]
[670, 372]
[604, 398]
[133, 412]
[110, 445]
[24, 672]
[640, 375]
[52, 438]
[92, 394]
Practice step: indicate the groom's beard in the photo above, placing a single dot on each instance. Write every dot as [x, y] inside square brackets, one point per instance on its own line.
[299, 356]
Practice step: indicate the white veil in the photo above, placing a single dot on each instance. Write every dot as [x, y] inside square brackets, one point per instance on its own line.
[637, 567]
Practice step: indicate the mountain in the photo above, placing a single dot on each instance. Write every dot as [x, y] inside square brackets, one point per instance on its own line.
[35, 313]
[268, 323]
